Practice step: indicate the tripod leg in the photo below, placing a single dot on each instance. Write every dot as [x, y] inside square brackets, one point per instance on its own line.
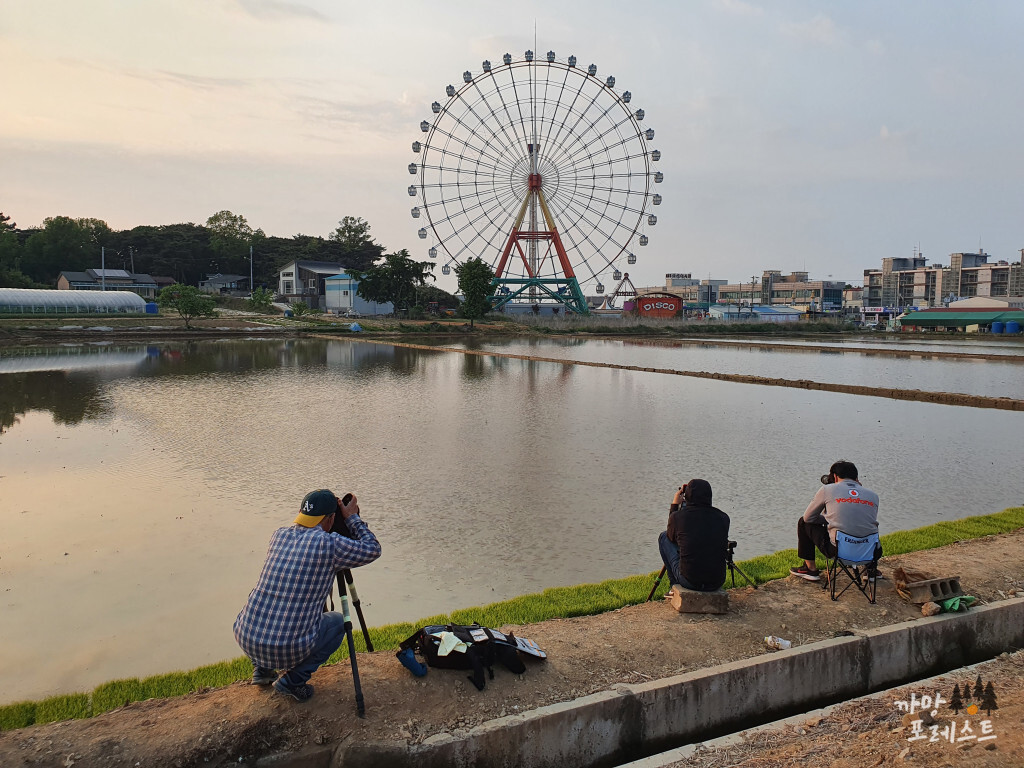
[749, 580]
[359, 608]
[360, 706]
[656, 583]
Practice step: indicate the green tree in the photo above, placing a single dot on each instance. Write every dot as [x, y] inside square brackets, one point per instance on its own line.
[475, 283]
[10, 256]
[394, 280]
[188, 301]
[178, 251]
[301, 309]
[260, 300]
[64, 243]
[230, 240]
[427, 294]
[358, 251]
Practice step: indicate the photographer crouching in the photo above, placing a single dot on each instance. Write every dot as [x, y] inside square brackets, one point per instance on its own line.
[694, 546]
[283, 625]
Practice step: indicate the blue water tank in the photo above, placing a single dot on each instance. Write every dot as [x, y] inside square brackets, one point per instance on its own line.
[151, 308]
[1013, 327]
[997, 326]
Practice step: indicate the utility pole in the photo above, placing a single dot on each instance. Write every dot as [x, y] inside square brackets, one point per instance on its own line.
[251, 287]
[103, 268]
[752, 278]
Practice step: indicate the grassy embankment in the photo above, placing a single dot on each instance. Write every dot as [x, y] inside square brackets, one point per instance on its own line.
[582, 600]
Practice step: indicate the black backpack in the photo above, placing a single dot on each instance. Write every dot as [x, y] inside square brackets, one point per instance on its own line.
[486, 647]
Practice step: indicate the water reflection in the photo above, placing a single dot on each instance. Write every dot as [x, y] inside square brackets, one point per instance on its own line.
[973, 376]
[70, 398]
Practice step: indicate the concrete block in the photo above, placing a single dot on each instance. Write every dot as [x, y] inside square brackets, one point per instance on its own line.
[690, 601]
[934, 590]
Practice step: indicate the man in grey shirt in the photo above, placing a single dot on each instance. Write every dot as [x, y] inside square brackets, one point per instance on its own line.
[841, 504]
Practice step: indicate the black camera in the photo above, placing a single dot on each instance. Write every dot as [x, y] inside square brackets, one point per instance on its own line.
[826, 479]
[340, 526]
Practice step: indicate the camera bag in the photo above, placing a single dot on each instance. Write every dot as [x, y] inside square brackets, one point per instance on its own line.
[485, 647]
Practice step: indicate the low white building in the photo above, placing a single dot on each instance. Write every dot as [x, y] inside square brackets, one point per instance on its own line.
[340, 296]
[755, 314]
[988, 302]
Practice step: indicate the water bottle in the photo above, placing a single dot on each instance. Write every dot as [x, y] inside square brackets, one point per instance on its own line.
[778, 643]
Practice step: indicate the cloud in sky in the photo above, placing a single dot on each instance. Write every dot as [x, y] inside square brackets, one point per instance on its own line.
[820, 29]
[790, 137]
[276, 10]
[739, 7]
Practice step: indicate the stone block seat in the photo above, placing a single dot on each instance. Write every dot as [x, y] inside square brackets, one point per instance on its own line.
[690, 601]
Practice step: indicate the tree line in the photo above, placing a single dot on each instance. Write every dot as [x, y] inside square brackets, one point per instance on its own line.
[187, 253]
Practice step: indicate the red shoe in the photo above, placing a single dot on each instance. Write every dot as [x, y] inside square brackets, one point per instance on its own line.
[804, 572]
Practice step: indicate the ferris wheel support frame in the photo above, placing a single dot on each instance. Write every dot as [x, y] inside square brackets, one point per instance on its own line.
[567, 291]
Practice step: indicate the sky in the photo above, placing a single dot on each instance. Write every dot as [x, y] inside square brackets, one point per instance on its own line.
[795, 135]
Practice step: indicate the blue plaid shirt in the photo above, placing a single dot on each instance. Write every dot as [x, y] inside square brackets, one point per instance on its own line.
[278, 626]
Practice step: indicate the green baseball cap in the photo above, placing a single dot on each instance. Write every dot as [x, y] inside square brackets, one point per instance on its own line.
[315, 507]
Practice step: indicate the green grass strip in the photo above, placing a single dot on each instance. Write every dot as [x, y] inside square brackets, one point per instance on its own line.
[18, 715]
[557, 602]
[72, 706]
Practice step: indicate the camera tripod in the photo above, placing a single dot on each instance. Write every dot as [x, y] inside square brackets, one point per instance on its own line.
[345, 577]
[733, 568]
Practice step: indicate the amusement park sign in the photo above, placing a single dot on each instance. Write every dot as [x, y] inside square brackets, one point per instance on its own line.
[659, 306]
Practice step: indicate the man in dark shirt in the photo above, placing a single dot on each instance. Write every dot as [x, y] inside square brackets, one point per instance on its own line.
[694, 546]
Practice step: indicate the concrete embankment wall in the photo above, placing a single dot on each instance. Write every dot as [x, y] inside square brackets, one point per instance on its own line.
[631, 721]
[914, 395]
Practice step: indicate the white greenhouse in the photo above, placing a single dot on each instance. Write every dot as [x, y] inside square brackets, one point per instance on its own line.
[31, 301]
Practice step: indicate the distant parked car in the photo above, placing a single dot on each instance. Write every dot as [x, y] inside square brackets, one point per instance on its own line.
[352, 313]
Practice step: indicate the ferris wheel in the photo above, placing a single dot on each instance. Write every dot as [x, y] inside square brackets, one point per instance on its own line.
[543, 170]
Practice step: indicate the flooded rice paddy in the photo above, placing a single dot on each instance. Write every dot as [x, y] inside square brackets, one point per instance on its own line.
[139, 484]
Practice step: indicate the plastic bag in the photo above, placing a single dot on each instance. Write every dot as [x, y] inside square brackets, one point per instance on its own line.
[956, 604]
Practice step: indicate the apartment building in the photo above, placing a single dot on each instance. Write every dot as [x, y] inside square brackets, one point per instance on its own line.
[911, 282]
[794, 290]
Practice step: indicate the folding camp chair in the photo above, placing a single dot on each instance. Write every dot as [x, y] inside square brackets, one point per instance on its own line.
[857, 557]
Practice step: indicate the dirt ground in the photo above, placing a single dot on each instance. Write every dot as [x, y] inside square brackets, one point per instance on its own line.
[242, 722]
